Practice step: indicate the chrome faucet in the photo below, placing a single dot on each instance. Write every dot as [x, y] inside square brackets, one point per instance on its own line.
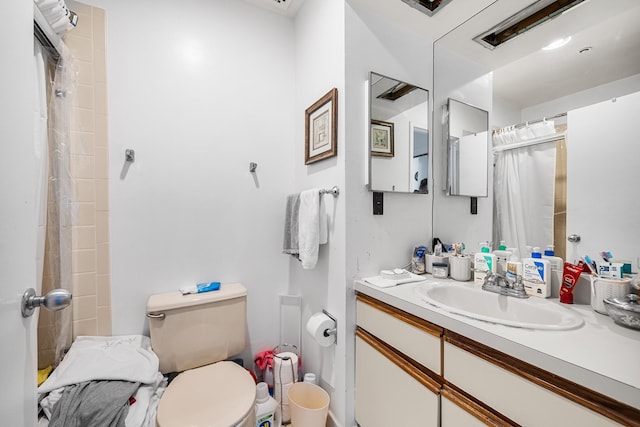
[498, 284]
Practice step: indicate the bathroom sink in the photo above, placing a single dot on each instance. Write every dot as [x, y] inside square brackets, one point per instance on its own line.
[530, 313]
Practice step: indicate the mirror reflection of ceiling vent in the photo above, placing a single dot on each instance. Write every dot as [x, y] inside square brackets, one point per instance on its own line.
[523, 21]
[428, 7]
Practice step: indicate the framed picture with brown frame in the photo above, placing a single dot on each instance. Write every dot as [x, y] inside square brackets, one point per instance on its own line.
[321, 128]
[381, 138]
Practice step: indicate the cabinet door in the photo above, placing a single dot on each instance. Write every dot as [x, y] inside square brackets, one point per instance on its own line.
[457, 409]
[386, 394]
[521, 400]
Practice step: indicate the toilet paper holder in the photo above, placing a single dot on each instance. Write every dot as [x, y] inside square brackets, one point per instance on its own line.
[332, 331]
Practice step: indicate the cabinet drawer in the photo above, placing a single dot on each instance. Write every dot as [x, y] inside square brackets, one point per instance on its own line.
[386, 394]
[414, 337]
[523, 401]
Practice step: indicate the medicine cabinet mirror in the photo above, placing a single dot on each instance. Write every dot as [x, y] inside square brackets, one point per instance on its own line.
[467, 149]
[398, 136]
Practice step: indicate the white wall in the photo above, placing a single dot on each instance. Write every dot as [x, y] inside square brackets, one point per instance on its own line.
[382, 241]
[199, 97]
[319, 52]
[460, 79]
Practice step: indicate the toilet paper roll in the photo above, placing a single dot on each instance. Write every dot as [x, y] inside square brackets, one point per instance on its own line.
[285, 367]
[316, 327]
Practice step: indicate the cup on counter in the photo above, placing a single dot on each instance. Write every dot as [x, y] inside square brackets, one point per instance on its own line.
[429, 259]
[602, 288]
[460, 268]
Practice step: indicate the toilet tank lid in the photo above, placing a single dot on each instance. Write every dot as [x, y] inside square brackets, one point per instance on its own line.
[175, 299]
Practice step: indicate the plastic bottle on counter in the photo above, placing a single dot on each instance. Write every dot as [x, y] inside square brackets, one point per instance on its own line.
[536, 273]
[502, 256]
[557, 267]
[266, 407]
[483, 261]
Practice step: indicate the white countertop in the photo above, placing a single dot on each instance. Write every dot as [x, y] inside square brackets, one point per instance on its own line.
[599, 355]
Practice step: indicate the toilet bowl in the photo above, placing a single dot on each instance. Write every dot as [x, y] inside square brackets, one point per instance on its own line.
[221, 394]
[194, 335]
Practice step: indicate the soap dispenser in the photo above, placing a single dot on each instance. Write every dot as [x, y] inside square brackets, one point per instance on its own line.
[536, 275]
[484, 261]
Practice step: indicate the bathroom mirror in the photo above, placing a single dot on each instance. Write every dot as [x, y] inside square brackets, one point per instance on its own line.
[527, 81]
[398, 136]
[467, 149]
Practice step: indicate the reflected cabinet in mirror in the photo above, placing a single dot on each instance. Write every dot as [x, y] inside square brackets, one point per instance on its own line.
[398, 136]
[467, 150]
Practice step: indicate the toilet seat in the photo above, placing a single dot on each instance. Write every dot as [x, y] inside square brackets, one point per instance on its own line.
[220, 394]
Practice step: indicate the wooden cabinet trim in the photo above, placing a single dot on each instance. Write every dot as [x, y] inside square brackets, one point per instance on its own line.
[415, 321]
[474, 407]
[610, 408]
[424, 376]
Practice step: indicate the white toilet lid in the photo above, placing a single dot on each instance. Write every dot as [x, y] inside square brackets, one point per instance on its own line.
[220, 394]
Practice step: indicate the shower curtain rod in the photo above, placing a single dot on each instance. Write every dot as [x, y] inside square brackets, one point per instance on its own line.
[535, 141]
[529, 122]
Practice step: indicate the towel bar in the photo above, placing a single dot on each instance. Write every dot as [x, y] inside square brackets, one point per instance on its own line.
[334, 191]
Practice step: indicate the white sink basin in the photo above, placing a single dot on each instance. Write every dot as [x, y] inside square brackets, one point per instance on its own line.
[530, 313]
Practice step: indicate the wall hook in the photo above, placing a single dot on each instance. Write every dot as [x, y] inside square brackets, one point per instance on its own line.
[130, 155]
[253, 166]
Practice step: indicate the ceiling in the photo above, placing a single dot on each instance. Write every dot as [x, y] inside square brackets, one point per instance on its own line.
[523, 73]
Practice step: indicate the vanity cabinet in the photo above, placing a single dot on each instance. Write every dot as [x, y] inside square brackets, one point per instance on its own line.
[412, 372]
[397, 356]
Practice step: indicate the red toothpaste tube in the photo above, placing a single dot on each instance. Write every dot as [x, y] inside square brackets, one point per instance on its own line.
[570, 277]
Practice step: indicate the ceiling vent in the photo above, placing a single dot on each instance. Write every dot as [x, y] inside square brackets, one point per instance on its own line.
[428, 7]
[523, 21]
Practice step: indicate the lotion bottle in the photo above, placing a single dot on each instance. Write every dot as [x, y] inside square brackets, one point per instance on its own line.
[483, 262]
[536, 273]
[557, 267]
[514, 268]
[502, 256]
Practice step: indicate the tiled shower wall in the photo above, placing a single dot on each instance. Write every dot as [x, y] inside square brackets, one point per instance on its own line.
[89, 161]
[89, 170]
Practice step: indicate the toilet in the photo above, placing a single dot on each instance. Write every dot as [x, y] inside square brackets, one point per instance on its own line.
[194, 334]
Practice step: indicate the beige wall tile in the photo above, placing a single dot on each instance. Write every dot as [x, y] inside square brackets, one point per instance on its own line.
[84, 190]
[83, 10]
[100, 98]
[82, 143]
[84, 284]
[84, 27]
[104, 321]
[99, 29]
[102, 195]
[104, 290]
[85, 72]
[102, 131]
[102, 227]
[104, 263]
[83, 237]
[102, 163]
[84, 308]
[84, 97]
[85, 327]
[83, 261]
[83, 213]
[83, 166]
[99, 67]
[83, 120]
[80, 47]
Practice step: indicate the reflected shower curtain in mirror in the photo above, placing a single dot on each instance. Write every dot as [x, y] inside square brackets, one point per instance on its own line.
[524, 179]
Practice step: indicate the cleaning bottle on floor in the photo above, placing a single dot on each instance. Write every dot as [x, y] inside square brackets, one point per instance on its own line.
[266, 407]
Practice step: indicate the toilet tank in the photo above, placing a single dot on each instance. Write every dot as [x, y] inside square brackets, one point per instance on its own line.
[188, 331]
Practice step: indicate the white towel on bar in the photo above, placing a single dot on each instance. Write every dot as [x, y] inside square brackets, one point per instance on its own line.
[292, 215]
[312, 227]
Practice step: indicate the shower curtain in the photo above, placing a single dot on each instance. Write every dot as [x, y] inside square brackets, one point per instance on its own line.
[524, 179]
[52, 118]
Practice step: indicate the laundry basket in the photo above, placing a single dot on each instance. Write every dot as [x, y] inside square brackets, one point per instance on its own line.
[309, 405]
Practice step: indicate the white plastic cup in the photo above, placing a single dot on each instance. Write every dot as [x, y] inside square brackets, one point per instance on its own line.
[602, 288]
[309, 405]
[460, 268]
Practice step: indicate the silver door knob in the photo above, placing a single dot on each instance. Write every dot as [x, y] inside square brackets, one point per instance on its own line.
[573, 238]
[55, 300]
